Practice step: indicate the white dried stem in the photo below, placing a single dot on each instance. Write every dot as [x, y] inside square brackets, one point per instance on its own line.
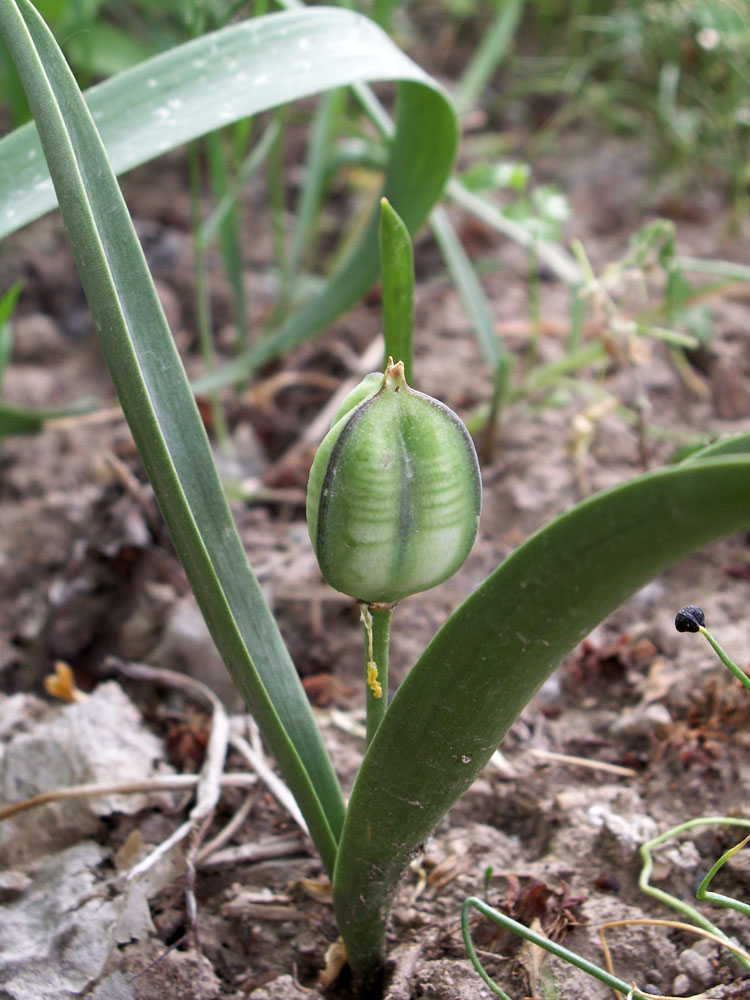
[165, 783]
[273, 783]
[209, 779]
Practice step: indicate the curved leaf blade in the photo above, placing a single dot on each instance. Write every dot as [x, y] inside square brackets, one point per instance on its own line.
[738, 444]
[239, 71]
[205, 84]
[493, 654]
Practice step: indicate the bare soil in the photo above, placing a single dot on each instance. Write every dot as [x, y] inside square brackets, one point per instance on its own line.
[638, 731]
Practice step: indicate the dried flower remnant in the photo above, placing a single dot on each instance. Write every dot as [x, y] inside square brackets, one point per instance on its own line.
[690, 619]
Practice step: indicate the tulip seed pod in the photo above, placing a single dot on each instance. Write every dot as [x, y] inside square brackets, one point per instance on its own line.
[394, 493]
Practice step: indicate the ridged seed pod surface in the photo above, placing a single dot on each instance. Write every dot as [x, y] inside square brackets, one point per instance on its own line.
[394, 493]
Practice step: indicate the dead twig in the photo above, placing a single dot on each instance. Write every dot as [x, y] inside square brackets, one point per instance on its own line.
[162, 783]
[227, 832]
[207, 790]
[314, 433]
[209, 783]
[264, 850]
[191, 902]
[263, 905]
[594, 765]
[273, 783]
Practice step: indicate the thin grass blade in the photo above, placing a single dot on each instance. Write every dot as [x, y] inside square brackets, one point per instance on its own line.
[230, 239]
[323, 128]
[7, 305]
[26, 420]
[490, 54]
[469, 288]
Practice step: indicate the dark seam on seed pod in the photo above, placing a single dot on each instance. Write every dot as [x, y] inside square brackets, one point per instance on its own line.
[405, 505]
[329, 475]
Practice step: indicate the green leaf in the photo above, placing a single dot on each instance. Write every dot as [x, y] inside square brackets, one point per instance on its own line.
[422, 150]
[489, 55]
[157, 401]
[24, 420]
[239, 71]
[7, 307]
[323, 129]
[397, 275]
[738, 444]
[494, 653]
[470, 290]
[207, 83]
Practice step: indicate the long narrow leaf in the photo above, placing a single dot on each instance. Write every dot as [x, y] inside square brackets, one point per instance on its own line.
[230, 229]
[239, 71]
[205, 84]
[482, 667]
[159, 406]
[489, 55]
[322, 129]
[7, 305]
[469, 288]
[25, 420]
[397, 284]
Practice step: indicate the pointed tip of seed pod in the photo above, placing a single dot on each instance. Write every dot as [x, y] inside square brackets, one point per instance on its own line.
[394, 374]
[689, 619]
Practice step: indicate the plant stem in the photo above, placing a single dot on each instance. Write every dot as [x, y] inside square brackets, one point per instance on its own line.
[377, 623]
[644, 884]
[540, 940]
[717, 897]
[726, 659]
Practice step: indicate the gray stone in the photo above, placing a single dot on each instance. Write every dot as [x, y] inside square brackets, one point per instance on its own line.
[681, 985]
[697, 966]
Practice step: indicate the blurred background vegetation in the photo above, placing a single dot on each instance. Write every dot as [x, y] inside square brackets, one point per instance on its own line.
[673, 71]
[537, 84]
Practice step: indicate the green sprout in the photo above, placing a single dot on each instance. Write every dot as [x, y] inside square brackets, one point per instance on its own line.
[692, 619]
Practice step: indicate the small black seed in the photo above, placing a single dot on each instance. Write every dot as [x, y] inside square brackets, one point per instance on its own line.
[689, 619]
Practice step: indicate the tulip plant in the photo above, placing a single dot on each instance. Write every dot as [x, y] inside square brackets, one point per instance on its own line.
[372, 531]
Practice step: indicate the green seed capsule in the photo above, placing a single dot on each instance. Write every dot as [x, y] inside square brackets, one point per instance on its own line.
[394, 494]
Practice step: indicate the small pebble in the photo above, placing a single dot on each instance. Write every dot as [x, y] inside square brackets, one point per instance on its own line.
[705, 947]
[12, 884]
[697, 966]
[39, 336]
[639, 722]
[681, 985]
